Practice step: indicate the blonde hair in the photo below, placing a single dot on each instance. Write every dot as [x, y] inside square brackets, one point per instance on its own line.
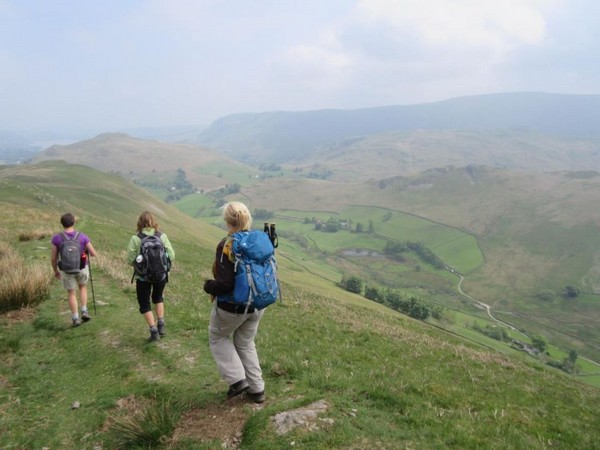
[147, 220]
[237, 216]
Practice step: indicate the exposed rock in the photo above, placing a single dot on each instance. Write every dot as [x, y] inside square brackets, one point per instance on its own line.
[304, 417]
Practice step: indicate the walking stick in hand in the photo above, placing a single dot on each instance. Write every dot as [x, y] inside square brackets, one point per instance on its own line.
[92, 283]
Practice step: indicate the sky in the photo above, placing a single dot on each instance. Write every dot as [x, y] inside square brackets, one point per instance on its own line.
[104, 66]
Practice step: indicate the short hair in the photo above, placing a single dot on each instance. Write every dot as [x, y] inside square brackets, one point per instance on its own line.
[67, 220]
[147, 220]
[237, 216]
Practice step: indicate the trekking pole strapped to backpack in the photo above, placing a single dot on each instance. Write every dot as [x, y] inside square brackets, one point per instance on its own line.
[270, 230]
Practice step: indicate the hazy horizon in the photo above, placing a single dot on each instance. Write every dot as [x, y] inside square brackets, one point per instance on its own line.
[112, 66]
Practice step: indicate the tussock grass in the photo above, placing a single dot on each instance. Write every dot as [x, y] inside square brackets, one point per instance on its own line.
[34, 235]
[21, 284]
[146, 422]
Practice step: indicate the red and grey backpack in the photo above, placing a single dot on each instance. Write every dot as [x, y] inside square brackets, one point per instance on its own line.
[69, 254]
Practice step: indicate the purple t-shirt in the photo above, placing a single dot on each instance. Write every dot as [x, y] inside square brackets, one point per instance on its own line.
[82, 238]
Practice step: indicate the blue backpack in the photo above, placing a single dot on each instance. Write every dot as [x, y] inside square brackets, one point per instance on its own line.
[256, 282]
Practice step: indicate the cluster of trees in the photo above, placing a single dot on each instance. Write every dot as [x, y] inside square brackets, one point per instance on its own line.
[179, 187]
[332, 225]
[262, 214]
[568, 364]
[495, 332]
[501, 334]
[270, 167]
[229, 189]
[396, 249]
[411, 306]
[571, 292]
[335, 224]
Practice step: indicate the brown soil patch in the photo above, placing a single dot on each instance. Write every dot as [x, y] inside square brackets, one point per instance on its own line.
[223, 422]
[19, 315]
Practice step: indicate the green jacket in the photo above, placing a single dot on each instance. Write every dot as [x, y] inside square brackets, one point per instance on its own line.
[133, 249]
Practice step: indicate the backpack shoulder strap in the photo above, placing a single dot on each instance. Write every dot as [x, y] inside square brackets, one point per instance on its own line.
[235, 239]
[142, 235]
[67, 238]
[228, 247]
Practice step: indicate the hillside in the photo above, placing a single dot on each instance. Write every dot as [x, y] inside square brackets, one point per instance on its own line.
[291, 136]
[386, 155]
[143, 160]
[381, 379]
[537, 233]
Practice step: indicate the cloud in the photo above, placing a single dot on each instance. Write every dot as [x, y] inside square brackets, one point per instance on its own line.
[388, 50]
[460, 22]
[153, 62]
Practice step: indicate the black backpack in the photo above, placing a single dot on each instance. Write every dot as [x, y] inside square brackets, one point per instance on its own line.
[69, 254]
[152, 263]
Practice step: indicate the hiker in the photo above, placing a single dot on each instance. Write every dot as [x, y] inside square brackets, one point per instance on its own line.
[73, 271]
[151, 281]
[232, 327]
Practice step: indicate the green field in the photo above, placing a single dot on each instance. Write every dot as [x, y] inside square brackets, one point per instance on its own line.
[196, 205]
[236, 173]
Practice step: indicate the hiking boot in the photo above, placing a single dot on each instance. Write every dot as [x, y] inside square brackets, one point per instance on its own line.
[85, 316]
[154, 336]
[161, 329]
[237, 388]
[76, 322]
[256, 397]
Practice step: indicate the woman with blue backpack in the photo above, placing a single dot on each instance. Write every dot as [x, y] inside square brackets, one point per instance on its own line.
[233, 326]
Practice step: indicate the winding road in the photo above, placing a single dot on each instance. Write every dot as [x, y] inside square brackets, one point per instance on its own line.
[488, 309]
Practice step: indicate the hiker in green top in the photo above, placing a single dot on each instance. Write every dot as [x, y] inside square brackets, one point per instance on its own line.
[146, 287]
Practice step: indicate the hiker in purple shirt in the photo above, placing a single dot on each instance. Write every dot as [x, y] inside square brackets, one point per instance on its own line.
[72, 278]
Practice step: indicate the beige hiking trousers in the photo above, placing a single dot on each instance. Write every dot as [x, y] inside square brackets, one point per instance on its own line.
[231, 337]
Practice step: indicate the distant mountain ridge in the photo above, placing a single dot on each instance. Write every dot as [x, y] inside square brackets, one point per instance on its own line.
[132, 157]
[287, 136]
[411, 152]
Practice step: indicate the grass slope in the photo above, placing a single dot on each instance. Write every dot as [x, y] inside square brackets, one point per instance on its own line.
[388, 381]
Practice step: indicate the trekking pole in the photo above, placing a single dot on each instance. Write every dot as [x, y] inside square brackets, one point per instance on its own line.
[270, 230]
[92, 284]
